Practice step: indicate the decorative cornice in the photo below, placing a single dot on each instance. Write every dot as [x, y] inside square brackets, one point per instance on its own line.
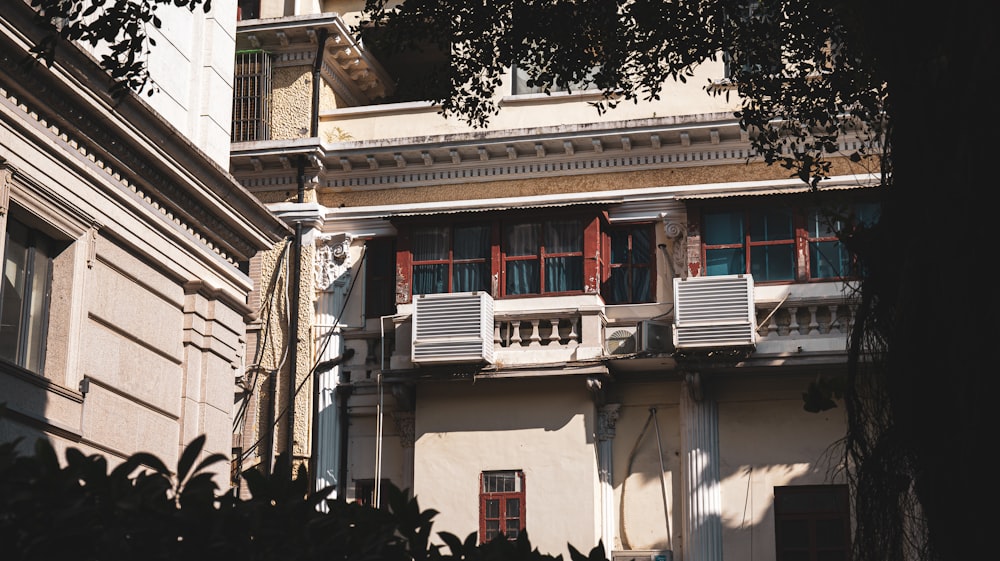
[155, 180]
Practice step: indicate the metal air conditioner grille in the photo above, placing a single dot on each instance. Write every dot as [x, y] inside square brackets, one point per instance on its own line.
[452, 328]
[714, 312]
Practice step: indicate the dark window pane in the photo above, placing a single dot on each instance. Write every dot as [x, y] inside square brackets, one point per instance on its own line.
[563, 236]
[723, 228]
[468, 277]
[522, 277]
[619, 247]
[472, 242]
[771, 225]
[640, 285]
[642, 246]
[794, 556]
[830, 534]
[513, 508]
[793, 533]
[430, 244]
[492, 508]
[617, 292]
[522, 239]
[563, 273]
[724, 262]
[430, 279]
[828, 260]
[513, 528]
[772, 262]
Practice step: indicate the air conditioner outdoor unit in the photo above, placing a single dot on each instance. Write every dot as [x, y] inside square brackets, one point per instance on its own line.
[452, 328]
[642, 555]
[648, 336]
[714, 312]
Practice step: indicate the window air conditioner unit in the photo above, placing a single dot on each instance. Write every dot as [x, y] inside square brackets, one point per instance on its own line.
[653, 337]
[452, 328]
[642, 555]
[714, 312]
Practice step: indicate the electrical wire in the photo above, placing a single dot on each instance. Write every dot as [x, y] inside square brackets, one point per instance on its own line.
[312, 370]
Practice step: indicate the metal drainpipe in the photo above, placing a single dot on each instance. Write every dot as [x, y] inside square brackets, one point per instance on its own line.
[317, 69]
[293, 323]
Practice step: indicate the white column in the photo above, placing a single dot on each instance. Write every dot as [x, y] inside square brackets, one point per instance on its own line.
[702, 502]
[607, 416]
[333, 276]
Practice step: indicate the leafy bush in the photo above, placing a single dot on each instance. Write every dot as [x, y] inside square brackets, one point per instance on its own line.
[142, 510]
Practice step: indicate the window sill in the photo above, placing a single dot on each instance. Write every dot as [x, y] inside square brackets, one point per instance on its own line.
[14, 371]
[541, 98]
[383, 109]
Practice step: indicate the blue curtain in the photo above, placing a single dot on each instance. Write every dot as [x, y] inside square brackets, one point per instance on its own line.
[430, 243]
[471, 242]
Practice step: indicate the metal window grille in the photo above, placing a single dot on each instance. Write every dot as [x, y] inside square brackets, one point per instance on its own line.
[252, 97]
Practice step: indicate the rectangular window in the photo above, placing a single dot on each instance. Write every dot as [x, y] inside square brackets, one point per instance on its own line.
[451, 258]
[828, 258]
[761, 242]
[543, 257]
[521, 87]
[812, 523]
[380, 277]
[24, 295]
[247, 9]
[252, 97]
[501, 505]
[501, 256]
[631, 274]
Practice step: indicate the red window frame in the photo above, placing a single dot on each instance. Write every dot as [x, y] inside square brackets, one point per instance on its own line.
[503, 501]
[590, 221]
[629, 265]
[812, 523]
[800, 210]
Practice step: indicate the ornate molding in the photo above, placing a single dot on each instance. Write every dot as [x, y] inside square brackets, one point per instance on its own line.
[333, 262]
[676, 250]
[404, 422]
[607, 417]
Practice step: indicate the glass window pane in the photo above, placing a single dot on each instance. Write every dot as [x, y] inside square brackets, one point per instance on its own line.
[513, 508]
[41, 274]
[523, 277]
[430, 279]
[828, 260]
[472, 242]
[513, 528]
[642, 245]
[492, 508]
[563, 236]
[619, 247]
[821, 225]
[830, 533]
[617, 288]
[430, 243]
[563, 274]
[492, 529]
[771, 225]
[794, 534]
[640, 284]
[468, 277]
[12, 294]
[522, 239]
[723, 228]
[772, 262]
[724, 261]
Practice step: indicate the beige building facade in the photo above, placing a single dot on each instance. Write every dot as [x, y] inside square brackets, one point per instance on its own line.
[124, 300]
[587, 327]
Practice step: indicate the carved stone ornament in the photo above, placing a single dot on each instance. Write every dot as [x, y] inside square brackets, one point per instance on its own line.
[404, 428]
[333, 261]
[607, 417]
[677, 246]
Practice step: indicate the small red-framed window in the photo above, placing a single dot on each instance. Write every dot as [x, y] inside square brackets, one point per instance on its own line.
[631, 264]
[501, 504]
[812, 523]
